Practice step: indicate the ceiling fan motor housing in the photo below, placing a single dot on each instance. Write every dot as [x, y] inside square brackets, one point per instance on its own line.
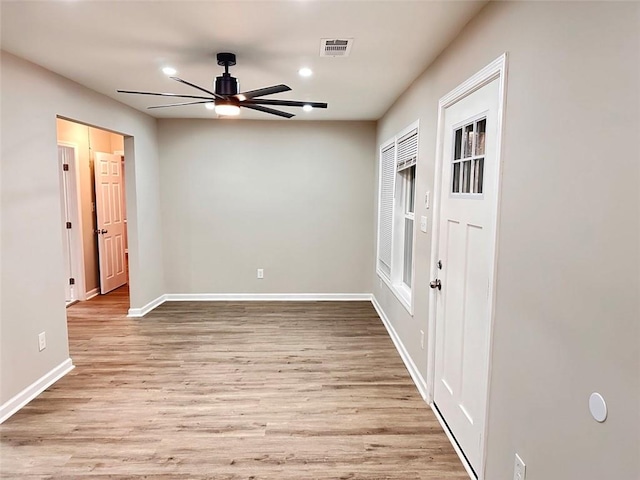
[226, 85]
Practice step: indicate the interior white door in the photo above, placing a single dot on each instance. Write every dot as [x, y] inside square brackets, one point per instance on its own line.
[466, 252]
[110, 221]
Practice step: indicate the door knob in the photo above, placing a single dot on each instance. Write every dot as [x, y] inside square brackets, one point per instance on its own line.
[436, 284]
[103, 231]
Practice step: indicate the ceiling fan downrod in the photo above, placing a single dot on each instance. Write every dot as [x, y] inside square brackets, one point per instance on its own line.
[226, 84]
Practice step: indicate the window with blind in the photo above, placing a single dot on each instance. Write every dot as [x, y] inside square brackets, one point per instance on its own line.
[396, 215]
[406, 166]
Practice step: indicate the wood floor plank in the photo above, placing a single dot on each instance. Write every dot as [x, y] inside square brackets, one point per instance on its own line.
[229, 390]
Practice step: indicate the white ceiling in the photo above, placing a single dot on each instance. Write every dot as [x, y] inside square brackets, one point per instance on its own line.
[109, 45]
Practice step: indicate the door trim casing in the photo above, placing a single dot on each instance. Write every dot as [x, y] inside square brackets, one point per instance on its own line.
[495, 70]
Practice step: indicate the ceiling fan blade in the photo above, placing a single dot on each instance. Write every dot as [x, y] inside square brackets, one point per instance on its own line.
[264, 91]
[283, 103]
[177, 79]
[180, 104]
[165, 94]
[268, 110]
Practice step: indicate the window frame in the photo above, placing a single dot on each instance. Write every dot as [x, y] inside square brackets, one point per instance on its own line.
[408, 213]
[400, 214]
[463, 124]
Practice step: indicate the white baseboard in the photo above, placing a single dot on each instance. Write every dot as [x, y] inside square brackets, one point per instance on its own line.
[92, 293]
[141, 312]
[248, 297]
[463, 459]
[36, 388]
[419, 381]
[266, 297]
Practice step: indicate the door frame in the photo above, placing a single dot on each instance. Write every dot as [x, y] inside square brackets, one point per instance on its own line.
[76, 254]
[495, 70]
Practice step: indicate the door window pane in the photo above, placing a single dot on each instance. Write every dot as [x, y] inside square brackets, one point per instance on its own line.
[456, 178]
[457, 146]
[480, 132]
[468, 140]
[478, 167]
[466, 176]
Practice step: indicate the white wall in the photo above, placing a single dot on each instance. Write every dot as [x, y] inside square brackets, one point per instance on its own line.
[32, 288]
[567, 313]
[293, 198]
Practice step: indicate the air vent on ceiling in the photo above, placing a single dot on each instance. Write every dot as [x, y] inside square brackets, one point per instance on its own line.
[335, 47]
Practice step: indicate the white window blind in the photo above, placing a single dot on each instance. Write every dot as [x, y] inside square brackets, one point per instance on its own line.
[407, 150]
[385, 222]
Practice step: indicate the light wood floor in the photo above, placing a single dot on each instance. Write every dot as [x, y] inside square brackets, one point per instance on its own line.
[274, 390]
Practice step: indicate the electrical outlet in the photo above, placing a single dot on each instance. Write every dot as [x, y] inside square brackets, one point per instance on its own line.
[519, 470]
[260, 273]
[42, 341]
[422, 339]
[423, 224]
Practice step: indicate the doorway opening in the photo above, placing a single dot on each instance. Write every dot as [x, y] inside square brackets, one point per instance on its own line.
[94, 218]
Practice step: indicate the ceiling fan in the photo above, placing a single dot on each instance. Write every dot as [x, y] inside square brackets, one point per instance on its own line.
[226, 99]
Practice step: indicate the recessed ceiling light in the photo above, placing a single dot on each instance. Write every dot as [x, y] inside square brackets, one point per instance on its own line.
[210, 106]
[169, 71]
[305, 72]
[307, 108]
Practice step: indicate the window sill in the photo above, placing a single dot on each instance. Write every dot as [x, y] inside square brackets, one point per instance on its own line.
[402, 292]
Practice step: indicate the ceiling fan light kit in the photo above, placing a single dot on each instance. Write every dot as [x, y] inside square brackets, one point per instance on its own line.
[227, 100]
[226, 109]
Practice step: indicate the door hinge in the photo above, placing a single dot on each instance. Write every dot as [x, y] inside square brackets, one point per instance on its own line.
[72, 281]
[68, 224]
[65, 167]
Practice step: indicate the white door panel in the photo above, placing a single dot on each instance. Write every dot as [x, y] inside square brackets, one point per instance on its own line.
[465, 248]
[111, 225]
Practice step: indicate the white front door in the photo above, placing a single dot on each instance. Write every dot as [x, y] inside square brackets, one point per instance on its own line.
[111, 225]
[466, 254]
